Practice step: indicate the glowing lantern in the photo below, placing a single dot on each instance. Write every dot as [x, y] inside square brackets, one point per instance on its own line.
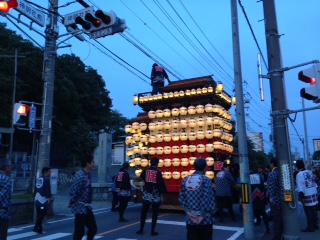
[216, 120]
[151, 150]
[209, 134]
[210, 89]
[170, 94]
[152, 139]
[184, 148]
[166, 112]
[200, 109]
[167, 125]
[167, 175]
[143, 138]
[217, 133]
[175, 112]
[183, 136]
[184, 162]
[129, 152]
[217, 145]
[209, 120]
[176, 94]
[176, 162]
[234, 100]
[208, 108]
[159, 113]
[192, 136]
[184, 174]
[128, 128]
[204, 90]
[192, 123]
[175, 136]
[143, 126]
[192, 148]
[193, 92]
[136, 137]
[144, 150]
[137, 161]
[175, 149]
[200, 135]
[165, 95]
[183, 111]
[144, 162]
[135, 100]
[138, 172]
[159, 137]
[199, 91]
[151, 114]
[152, 126]
[210, 161]
[219, 88]
[136, 149]
[131, 163]
[191, 171]
[159, 125]
[191, 160]
[167, 137]
[135, 126]
[201, 148]
[175, 123]
[191, 110]
[176, 175]
[209, 147]
[159, 96]
[201, 122]
[209, 174]
[129, 140]
[167, 149]
[188, 92]
[183, 123]
[167, 162]
[160, 164]
[159, 150]
[181, 93]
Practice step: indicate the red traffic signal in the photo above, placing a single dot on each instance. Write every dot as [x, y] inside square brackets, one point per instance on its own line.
[312, 76]
[23, 109]
[94, 21]
[106, 19]
[5, 5]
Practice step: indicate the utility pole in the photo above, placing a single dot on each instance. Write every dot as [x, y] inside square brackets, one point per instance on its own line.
[49, 63]
[279, 104]
[306, 144]
[241, 123]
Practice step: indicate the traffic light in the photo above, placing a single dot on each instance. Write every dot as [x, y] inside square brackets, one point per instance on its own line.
[5, 5]
[20, 112]
[73, 28]
[312, 76]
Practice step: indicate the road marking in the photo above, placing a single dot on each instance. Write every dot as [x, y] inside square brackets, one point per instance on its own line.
[53, 236]
[22, 235]
[11, 230]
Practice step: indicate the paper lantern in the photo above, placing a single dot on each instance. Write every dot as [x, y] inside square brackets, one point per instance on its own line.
[152, 139]
[188, 92]
[159, 137]
[210, 161]
[131, 163]
[217, 145]
[167, 162]
[176, 175]
[209, 134]
[152, 126]
[143, 138]
[175, 162]
[143, 126]
[191, 171]
[193, 92]
[209, 147]
[151, 150]
[219, 88]
[200, 135]
[209, 120]
[167, 125]
[137, 161]
[167, 175]
[200, 109]
[183, 111]
[201, 122]
[159, 125]
[191, 160]
[201, 148]
[170, 94]
[191, 110]
[151, 114]
[128, 128]
[135, 126]
[184, 174]
[167, 149]
[144, 150]
[159, 150]
[175, 112]
[144, 162]
[159, 113]
[184, 148]
[204, 90]
[183, 123]
[175, 149]
[136, 149]
[129, 140]
[166, 112]
[160, 164]
[192, 148]
[135, 100]
[192, 136]
[209, 174]
[199, 91]
[192, 123]
[184, 162]
[175, 136]
[138, 172]
[210, 89]
[136, 137]
[181, 93]
[176, 94]
[159, 96]
[208, 108]
[165, 95]
[183, 136]
[167, 137]
[129, 152]
[217, 133]
[175, 124]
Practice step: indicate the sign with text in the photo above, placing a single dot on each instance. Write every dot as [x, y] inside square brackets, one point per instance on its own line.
[31, 12]
[70, 18]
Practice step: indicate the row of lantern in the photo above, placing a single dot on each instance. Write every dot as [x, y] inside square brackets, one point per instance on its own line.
[176, 136]
[200, 148]
[191, 110]
[167, 162]
[178, 124]
[178, 94]
[177, 175]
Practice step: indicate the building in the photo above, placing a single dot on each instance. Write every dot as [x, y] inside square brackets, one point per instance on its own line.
[257, 139]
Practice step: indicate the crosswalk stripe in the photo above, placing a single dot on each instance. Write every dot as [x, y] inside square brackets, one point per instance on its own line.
[21, 235]
[11, 230]
[53, 236]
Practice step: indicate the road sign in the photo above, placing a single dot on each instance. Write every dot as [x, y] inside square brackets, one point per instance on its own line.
[30, 12]
[32, 117]
[101, 33]
[70, 18]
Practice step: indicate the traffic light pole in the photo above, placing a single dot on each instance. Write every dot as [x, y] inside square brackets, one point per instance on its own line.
[49, 63]
[278, 102]
[242, 135]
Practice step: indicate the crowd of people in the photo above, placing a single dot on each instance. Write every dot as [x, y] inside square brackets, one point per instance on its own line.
[199, 196]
